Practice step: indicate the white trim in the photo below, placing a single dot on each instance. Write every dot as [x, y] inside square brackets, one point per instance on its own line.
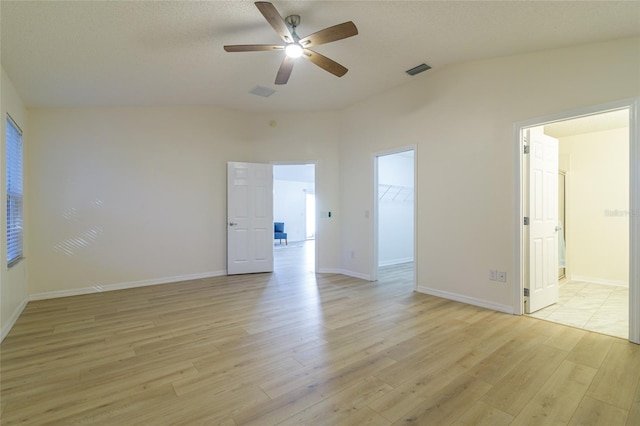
[12, 320]
[396, 261]
[633, 105]
[465, 299]
[634, 222]
[123, 286]
[603, 281]
[329, 271]
[356, 275]
[345, 272]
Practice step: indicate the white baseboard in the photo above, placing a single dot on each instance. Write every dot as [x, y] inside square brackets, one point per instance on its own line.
[599, 281]
[465, 299]
[6, 328]
[345, 272]
[328, 271]
[356, 275]
[395, 261]
[122, 286]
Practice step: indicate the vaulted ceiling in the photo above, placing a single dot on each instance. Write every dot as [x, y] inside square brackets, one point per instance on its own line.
[88, 53]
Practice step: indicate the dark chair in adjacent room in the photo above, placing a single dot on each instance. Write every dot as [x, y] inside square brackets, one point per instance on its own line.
[278, 232]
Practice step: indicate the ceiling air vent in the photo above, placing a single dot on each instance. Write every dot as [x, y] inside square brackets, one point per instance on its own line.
[417, 70]
[265, 92]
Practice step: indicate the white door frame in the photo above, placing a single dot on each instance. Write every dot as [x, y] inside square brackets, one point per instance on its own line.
[315, 182]
[374, 222]
[633, 104]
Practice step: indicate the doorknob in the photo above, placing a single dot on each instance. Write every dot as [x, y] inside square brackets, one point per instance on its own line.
[232, 224]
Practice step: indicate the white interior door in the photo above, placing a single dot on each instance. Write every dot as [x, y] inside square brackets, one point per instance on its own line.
[543, 220]
[249, 218]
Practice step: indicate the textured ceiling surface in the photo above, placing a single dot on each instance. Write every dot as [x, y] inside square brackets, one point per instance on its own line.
[86, 53]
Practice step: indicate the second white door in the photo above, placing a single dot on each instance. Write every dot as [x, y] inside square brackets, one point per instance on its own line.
[249, 218]
[543, 220]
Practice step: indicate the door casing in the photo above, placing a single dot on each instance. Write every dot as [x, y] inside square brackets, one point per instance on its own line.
[374, 222]
[316, 214]
[633, 105]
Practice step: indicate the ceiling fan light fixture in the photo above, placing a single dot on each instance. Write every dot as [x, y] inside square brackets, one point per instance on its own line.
[294, 46]
[293, 50]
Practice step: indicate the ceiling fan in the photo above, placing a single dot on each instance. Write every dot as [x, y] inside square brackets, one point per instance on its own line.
[294, 46]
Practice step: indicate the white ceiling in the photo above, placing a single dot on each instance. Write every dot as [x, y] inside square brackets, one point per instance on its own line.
[589, 124]
[87, 53]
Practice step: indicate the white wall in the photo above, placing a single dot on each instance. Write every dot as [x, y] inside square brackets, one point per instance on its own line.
[598, 206]
[461, 117]
[395, 208]
[13, 281]
[122, 195]
[132, 196]
[129, 195]
[285, 138]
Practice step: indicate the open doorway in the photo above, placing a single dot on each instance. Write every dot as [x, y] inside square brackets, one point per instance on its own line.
[591, 240]
[294, 208]
[394, 214]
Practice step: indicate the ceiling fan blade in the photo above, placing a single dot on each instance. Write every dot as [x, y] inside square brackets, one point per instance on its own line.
[252, 47]
[275, 20]
[325, 63]
[337, 32]
[285, 70]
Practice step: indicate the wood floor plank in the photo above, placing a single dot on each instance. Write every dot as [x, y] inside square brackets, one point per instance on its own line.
[566, 338]
[255, 373]
[419, 388]
[619, 374]
[591, 350]
[634, 412]
[346, 407]
[446, 405]
[527, 377]
[482, 414]
[397, 403]
[313, 390]
[503, 359]
[296, 347]
[593, 412]
[557, 400]
[216, 405]
[634, 415]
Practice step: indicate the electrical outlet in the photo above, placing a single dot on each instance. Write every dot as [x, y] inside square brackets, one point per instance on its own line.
[493, 275]
[502, 276]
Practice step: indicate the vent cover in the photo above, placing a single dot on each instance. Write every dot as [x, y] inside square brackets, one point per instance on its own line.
[265, 92]
[417, 70]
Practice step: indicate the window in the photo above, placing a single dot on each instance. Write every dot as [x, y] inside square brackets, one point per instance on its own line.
[14, 192]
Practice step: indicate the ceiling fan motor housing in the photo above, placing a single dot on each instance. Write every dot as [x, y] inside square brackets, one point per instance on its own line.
[292, 20]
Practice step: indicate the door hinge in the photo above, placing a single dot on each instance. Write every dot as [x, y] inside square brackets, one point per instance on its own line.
[526, 149]
[526, 292]
[526, 220]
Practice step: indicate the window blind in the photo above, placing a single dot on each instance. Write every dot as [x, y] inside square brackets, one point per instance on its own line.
[14, 193]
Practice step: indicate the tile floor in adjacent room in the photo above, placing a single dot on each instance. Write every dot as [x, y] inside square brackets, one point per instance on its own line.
[594, 307]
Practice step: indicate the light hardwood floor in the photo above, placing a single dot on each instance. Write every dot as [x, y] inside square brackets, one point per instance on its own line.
[296, 348]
